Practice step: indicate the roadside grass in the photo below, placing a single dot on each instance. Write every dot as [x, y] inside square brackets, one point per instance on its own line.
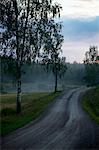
[33, 104]
[90, 103]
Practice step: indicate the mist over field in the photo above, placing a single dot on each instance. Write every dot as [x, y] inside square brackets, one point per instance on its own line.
[36, 78]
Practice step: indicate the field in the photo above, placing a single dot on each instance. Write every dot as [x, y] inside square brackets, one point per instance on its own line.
[33, 104]
[90, 103]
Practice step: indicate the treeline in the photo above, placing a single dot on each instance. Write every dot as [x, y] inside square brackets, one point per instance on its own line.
[92, 66]
[36, 76]
[92, 74]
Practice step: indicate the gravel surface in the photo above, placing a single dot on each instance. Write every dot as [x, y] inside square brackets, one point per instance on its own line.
[65, 126]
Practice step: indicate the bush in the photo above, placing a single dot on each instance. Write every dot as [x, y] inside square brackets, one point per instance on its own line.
[7, 111]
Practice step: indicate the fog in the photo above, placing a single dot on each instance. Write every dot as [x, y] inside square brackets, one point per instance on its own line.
[36, 79]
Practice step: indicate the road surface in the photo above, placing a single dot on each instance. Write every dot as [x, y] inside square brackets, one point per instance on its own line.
[65, 126]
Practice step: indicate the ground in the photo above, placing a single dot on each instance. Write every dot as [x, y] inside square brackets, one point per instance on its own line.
[33, 104]
[64, 125]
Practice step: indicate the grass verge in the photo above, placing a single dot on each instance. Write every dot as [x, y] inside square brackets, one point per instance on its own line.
[33, 105]
[90, 103]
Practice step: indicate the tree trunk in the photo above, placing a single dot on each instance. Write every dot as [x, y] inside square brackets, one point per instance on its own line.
[56, 81]
[18, 105]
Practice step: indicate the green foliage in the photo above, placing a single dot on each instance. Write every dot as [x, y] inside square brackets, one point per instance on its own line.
[52, 49]
[25, 24]
[90, 103]
[7, 111]
[33, 104]
[8, 66]
[92, 74]
[2, 89]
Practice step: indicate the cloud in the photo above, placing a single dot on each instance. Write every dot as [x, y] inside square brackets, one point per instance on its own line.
[78, 29]
[81, 27]
[74, 50]
[79, 35]
[79, 8]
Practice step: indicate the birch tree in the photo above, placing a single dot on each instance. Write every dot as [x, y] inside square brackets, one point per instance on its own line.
[52, 50]
[22, 23]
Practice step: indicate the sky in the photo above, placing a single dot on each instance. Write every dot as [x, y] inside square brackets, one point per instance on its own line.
[80, 27]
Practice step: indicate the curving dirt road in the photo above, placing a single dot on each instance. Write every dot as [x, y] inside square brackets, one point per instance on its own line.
[64, 126]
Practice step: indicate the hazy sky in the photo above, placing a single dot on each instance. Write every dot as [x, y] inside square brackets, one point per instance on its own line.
[80, 27]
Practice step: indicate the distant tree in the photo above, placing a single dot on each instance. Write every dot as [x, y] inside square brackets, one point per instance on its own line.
[92, 74]
[58, 69]
[91, 55]
[22, 23]
[92, 67]
[52, 49]
[93, 52]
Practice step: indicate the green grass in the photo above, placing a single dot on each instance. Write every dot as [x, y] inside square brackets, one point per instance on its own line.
[90, 103]
[33, 105]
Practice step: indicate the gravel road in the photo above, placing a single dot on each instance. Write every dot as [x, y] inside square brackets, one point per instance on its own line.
[65, 126]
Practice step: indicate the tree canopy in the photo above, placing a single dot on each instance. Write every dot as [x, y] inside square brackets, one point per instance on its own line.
[24, 25]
